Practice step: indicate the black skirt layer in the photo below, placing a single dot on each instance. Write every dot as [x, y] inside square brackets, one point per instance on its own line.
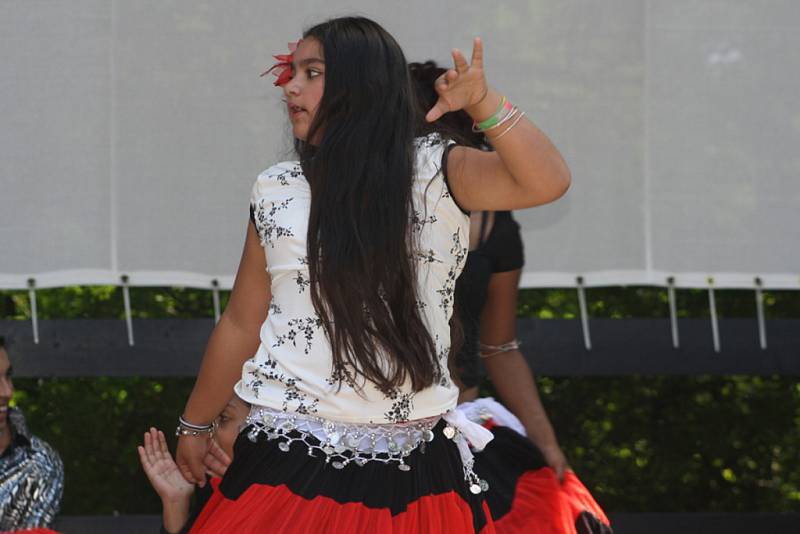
[268, 490]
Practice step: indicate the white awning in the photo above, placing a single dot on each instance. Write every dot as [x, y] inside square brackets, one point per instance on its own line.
[131, 133]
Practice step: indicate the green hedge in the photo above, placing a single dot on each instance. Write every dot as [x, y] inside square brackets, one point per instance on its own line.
[640, 443]
[714, 444]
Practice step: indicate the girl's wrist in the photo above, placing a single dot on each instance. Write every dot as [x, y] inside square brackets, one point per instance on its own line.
[175, 514]
[485, 107]
[176, 503]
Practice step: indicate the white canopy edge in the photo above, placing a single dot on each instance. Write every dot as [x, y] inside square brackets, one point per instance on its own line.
[685, 280]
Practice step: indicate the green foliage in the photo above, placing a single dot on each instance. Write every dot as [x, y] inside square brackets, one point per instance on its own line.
[682, 444]
[642, 444]
[96, 424]
[651, 302]
[714, 444]
[105, 302]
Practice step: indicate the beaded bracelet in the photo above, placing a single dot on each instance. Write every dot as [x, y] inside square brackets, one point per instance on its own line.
[185, 428]
[183, 422]
[182, 431]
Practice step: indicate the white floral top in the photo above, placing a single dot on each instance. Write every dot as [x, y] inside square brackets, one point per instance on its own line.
[293, 368]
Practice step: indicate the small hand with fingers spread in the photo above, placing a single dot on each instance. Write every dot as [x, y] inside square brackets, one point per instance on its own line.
[161, 469]
[463, 86]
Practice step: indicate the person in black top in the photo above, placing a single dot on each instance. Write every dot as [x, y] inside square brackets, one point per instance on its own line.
[529, 477]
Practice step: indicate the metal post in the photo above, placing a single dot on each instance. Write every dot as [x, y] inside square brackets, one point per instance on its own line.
[712, 304]
[762, 324]
[587, 337]
[673, 312]
[34, 310]
[215, 298]
[126, 299]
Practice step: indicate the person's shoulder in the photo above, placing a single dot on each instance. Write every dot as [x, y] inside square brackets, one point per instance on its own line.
[281, 175]
[430, 151]
[287, 169]
[16, 420]
[46, 456]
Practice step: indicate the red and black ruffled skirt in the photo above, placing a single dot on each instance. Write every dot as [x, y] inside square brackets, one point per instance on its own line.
[525, 495]
[268, 490]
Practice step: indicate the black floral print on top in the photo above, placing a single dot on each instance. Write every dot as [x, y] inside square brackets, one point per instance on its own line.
[293, 369]
[402, 404]
[268, 229]
[447, 291]
[282, 178]
[301, 281]
[307, 326]
[418, 222]
[293, 399]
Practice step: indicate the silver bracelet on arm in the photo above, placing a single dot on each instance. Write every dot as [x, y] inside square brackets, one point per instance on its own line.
[185, 428]
[487, 351]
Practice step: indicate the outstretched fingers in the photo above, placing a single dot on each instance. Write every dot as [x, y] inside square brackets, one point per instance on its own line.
[148, 448]
[476, 61]
[439, 109]
[477, 53]
[143, 458]
[162, 446]
[459, 61]
[154, 448]
[442, 86]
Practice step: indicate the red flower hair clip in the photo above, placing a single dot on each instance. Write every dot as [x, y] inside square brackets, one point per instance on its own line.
[283, 68]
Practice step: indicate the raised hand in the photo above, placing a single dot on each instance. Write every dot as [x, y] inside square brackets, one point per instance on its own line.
[461, 87]
[161, 469]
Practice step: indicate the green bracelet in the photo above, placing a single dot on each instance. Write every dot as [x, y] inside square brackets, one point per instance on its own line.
[494, 119]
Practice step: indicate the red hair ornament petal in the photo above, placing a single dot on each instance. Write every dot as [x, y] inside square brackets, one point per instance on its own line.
[283, 68]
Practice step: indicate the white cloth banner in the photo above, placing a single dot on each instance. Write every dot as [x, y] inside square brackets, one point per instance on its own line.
[131, 132]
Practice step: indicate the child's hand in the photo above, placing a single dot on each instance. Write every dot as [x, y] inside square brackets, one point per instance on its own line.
[161, 469]
[461, 87]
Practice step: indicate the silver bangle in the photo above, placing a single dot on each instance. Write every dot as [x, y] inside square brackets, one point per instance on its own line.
[519, 117]
[186, 424]
[183, 431]
[185, 428]
[512, 345]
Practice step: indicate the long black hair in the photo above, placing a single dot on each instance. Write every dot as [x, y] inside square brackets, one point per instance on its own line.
[455, 125]
[361, 170]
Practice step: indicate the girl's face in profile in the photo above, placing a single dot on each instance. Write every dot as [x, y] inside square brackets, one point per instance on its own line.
[229, 423]
[304, 91]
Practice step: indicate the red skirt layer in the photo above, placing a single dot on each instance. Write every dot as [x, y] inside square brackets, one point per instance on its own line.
[525, 496]
[543, 505]
[264, 508]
